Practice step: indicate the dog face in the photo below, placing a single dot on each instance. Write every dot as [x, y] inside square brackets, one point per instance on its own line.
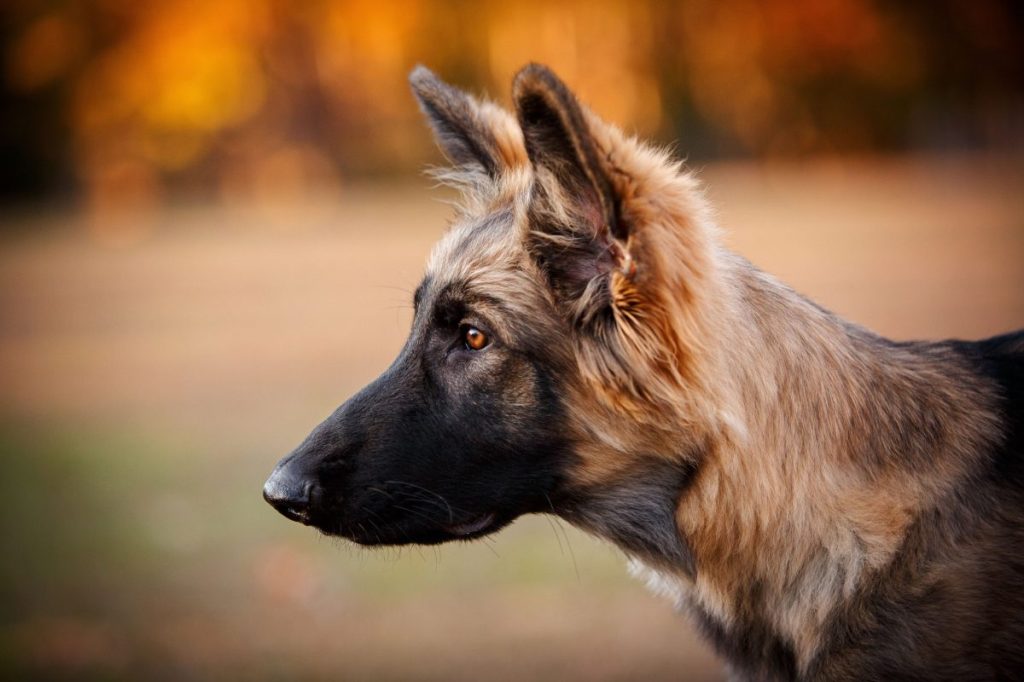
[457, 438]
[530, 378]
[466, 430]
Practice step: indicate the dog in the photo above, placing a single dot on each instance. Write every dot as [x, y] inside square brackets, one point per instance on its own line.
[825, 503]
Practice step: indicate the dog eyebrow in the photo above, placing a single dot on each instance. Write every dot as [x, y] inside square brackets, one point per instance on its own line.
[455, 298]
[460, 293]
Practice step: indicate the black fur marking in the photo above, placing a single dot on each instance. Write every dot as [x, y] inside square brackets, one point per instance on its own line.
[638, 513]
[750, 644]
[1002, 359]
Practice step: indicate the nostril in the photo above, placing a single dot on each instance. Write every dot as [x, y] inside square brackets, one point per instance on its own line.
[314, 495]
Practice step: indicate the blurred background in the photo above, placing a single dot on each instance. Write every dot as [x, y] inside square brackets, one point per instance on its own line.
[212, 218]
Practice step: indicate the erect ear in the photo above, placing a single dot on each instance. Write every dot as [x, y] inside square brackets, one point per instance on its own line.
[459, 121]
[558, 139]
[575, 213]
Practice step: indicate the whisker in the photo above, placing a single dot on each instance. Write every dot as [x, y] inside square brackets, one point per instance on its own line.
[557, 523]
[447, 506]
[417, 513]
[568, 543]
[558, 538]
[489, 544]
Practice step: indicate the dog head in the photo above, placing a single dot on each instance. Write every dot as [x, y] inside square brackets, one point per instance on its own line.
[555, 348]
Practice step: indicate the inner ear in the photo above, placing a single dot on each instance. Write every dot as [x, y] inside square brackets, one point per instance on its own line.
[459, 122]
[559, 140]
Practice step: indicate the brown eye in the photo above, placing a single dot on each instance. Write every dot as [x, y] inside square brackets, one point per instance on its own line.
[475, 339]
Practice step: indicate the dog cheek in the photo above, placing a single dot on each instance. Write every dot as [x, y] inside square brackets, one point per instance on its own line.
[520, 387]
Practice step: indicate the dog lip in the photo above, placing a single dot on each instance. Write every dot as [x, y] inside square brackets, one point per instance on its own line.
[473, 526]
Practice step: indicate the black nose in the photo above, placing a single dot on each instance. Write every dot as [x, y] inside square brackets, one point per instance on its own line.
[289, 494]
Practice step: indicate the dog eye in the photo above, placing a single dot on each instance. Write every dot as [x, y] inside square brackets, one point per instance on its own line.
[475, 339]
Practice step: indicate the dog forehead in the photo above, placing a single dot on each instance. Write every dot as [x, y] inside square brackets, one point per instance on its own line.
[475, 249]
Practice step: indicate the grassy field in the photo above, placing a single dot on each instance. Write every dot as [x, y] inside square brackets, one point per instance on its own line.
[154, 368]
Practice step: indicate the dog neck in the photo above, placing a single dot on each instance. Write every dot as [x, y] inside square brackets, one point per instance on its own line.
[832, 442]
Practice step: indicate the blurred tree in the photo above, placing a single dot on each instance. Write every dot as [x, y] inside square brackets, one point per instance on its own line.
[243, 98]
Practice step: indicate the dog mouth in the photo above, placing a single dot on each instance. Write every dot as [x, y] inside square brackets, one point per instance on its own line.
[371, 534]
[476, 526]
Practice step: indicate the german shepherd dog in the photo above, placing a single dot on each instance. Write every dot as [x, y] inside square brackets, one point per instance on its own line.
[827, 504]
